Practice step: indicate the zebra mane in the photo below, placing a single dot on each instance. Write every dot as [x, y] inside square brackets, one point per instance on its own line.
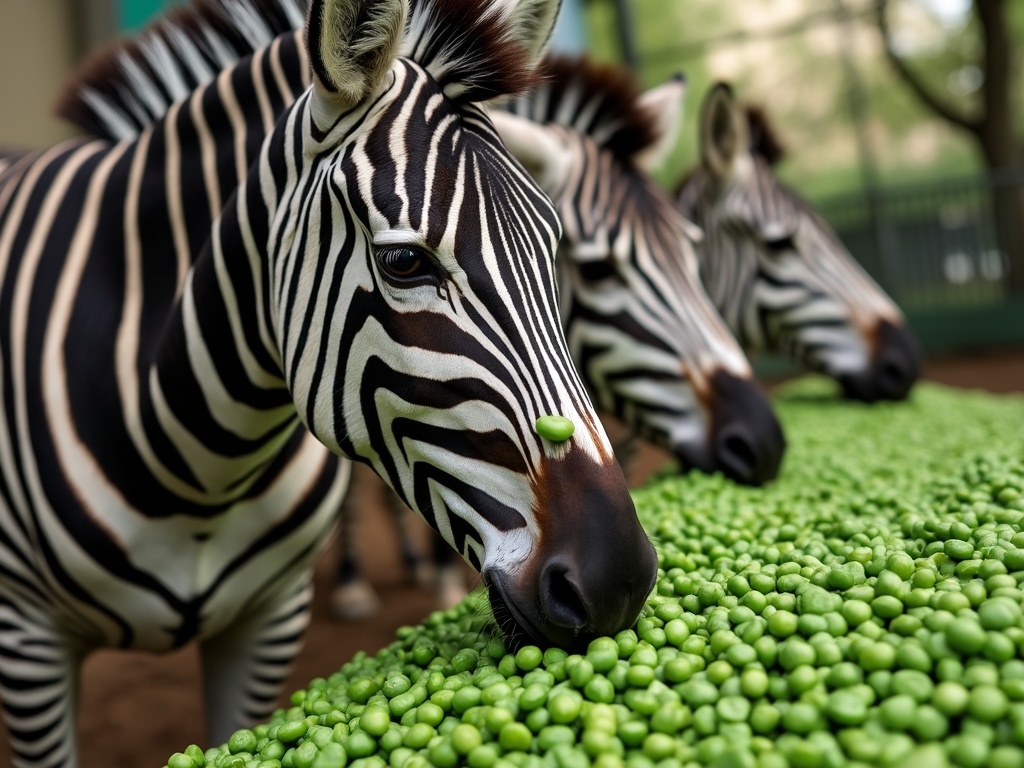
[601, 101]
[763, 139]
[132, 84]
[470, 47]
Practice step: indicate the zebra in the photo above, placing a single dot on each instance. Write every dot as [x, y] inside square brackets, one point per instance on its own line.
[777, 272]
[649, 344]
[184, 362]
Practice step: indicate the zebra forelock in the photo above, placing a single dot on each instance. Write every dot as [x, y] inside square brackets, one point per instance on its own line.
[471, 48]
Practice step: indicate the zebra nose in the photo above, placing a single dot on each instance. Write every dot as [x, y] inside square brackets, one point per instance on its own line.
[895, 366]
[747, 443]
[592, 567]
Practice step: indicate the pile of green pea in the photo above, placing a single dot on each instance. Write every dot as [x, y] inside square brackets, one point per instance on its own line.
[865, 609]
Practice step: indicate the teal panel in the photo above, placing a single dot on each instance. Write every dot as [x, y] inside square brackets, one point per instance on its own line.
[135, 13]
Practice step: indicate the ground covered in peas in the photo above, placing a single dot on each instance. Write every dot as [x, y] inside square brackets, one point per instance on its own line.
[865, 609]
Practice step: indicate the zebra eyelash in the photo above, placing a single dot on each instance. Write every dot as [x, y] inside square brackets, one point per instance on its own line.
[407, 266]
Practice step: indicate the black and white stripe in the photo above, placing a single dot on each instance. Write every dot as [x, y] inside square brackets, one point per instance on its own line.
[651, 346]
[779, 275]
[155, 373]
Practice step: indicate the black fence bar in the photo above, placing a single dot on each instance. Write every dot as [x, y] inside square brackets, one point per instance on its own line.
[941, 257]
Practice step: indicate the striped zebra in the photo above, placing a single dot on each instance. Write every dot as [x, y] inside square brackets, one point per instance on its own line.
[779, 274]
[649, 344]
[176, 393]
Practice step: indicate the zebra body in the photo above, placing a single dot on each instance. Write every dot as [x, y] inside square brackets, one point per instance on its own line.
[780, 276]
[164, 379]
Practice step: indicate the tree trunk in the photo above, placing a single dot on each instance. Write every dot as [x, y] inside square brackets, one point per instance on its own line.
[996, 137]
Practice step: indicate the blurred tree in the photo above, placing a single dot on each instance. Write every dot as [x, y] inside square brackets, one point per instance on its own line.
[983, 62]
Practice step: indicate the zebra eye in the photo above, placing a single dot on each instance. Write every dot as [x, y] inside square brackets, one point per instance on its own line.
[597, 271]
[780, 244]
[405, 264]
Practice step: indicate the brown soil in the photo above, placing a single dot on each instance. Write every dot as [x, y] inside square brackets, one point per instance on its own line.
[136, 709]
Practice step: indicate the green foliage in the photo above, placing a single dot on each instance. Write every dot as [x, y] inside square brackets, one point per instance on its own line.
[864, 609]
[796, 71]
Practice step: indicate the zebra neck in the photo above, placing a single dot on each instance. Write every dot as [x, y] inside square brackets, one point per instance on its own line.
[214, 412]
[214, 391]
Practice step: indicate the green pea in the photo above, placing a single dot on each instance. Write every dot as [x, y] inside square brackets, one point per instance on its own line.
[443, 755]
[965, 635]
[734, 709]
[581, 673]
[782, 624]
[599, 689]
[802, 718]
[565, 707]
[515, 737]
[242, 740]
[358, 744]
[753, 683]
[877, 656]
[292, 731]
[557, 429]
[846, 708]
[658, 746]
[987, 703]
[418, 736]
[466, 698]
[898, 712]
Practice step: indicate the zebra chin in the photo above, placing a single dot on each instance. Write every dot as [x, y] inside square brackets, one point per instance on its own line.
[592, 568]
[894, 367]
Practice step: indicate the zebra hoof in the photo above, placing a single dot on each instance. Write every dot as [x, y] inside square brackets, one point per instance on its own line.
[354, 601]
[450, 587]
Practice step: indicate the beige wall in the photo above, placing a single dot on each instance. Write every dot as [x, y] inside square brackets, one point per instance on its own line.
[40, 44]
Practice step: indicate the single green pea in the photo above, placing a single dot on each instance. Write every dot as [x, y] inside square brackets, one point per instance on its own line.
[557, 429]
[987, 703]
[965, 635]
[292, 731]
[515, 737]
[375, 720]
[358, 744]
[565, 707]
[242, 740]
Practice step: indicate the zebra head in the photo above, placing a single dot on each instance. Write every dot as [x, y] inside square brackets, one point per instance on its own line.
[650, 345]
[780, 275]
[413, 296]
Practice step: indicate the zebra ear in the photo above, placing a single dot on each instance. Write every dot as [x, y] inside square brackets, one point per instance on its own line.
[664, 107]
[724, 136]
[351, 45]
[532, 23]
[533, 145]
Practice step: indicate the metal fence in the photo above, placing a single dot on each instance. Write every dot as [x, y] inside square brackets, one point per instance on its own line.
[934, 247]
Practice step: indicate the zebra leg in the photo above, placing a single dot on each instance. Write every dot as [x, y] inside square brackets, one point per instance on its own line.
[39, 671]
[246, 666]
[353, 598]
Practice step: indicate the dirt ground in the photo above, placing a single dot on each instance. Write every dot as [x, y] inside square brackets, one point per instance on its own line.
[136, 709]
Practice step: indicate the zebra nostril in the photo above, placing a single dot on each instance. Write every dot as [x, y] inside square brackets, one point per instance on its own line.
[561, 600]
[893, 376]
[736, 455]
